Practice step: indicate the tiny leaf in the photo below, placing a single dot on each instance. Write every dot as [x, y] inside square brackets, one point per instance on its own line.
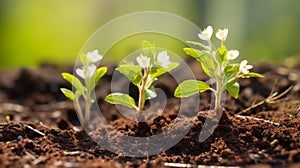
[190, 87]
[233, 89]
[132, 72]
[83, 59]
[231, 69]
[221, 53]
[199, 44]
[73, 81]
[156, 72]
[252, 74]
[99, 73]
[68, 93]
[122, 99]
[208, 63]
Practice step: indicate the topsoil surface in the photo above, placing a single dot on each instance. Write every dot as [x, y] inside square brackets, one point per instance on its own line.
[39, 126]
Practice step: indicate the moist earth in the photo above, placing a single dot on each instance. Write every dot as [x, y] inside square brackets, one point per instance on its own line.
[39, 126]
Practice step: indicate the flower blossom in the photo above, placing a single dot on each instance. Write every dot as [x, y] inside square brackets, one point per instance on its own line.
[86, 72]
[222, 34]
[206, 33]
[143, 61]
[163, 59]
[244, 68]
[94, 56]
[232, 54]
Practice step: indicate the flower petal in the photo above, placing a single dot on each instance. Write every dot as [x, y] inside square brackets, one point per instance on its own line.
[163, 59]
[80, 73]
[94, 56]
[206, 33]
[202, 37]
[143, 61]
[232, 54]
[222, 34]
[91, 70]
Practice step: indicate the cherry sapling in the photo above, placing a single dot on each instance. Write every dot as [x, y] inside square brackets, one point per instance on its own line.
[217, 64]
[91, 76]
[150, 65]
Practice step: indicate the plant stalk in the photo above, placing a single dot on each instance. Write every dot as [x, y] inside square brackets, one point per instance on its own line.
[77, 106]
[142, 89]
[87, 107]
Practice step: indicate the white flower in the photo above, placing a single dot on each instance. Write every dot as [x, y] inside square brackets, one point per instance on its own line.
[244, 68]
[163, 59]
[143, 61]
[206, 33]
[222, 34]
[89, 71]
[94, 56]
[232, 54]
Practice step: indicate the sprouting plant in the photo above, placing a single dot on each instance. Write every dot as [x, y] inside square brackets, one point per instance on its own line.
[150, 65]
[216, 63]
[91, 76]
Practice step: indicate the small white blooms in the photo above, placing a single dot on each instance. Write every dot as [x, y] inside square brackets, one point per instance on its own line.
[232, 54]
[94, 56]
[206, 33]
[222, 34]
[143, 61]
[89, 68]
[244, 68]
[163, 59]
[86, 72]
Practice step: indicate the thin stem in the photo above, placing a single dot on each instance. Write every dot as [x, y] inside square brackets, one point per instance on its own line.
[218, 95]
[219, 89]
[77, 106]
[142, 89]
[87, 106]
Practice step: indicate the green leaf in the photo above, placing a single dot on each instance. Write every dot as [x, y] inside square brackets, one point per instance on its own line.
[199, 44]
[99, 73]
[221, 53]
[73, 81]
[208, 63]
[132, 72]
[231, 70]
[122, 99]
[233, 89]
[68, 93]
[150, 93]
[190, 87]
[156, 72]
[252, 74]
[83, 59]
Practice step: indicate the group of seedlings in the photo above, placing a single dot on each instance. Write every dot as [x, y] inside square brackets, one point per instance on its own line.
[216, 63]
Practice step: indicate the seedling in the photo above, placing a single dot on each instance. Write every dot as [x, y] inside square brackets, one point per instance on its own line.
[91, 76]
[217, 64]
[150, 65]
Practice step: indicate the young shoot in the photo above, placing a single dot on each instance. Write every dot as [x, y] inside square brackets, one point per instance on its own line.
[216, 63]
[90, 75]
[150, 65]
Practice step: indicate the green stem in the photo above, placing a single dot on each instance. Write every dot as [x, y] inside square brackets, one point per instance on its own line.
[218, 95]
[142, 89]
[87, 107]
[77, 106]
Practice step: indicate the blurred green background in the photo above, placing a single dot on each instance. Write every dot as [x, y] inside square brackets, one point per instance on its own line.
[33, 31]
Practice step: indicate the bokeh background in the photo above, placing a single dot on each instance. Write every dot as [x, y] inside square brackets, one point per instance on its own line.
[33, 32]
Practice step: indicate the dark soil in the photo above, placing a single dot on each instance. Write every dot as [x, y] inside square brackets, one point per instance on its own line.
[43, 129]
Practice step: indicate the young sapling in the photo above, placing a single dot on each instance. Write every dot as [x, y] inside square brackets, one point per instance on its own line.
[150, 65]
[90, 75]
[217, 64]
